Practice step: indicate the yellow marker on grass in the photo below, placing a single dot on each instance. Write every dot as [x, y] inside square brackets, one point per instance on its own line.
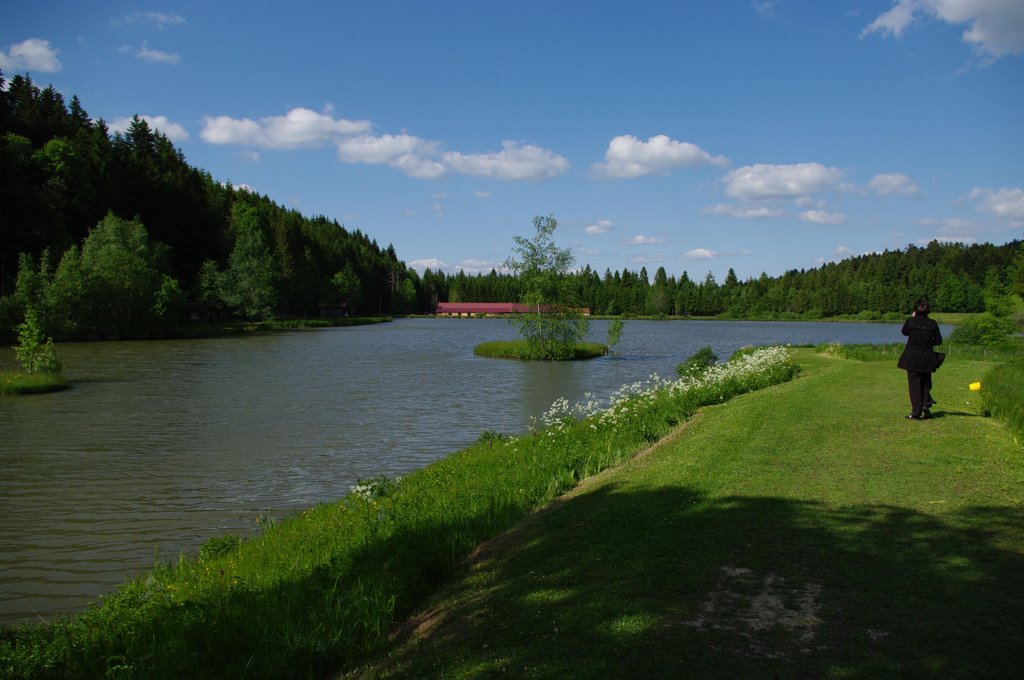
[975, 387]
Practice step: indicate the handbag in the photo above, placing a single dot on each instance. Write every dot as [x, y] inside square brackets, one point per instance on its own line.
[939, 358]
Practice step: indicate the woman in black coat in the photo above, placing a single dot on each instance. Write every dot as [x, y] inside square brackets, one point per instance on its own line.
[919, 359]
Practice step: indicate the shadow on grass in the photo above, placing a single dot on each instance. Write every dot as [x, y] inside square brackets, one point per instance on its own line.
[613, 583]
[669, 583]
[963, 414]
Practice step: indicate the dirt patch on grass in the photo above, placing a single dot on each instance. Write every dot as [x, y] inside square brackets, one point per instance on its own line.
[762, 610]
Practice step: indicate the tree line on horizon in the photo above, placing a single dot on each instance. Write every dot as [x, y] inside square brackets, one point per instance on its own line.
[112, 234]
[955, 277]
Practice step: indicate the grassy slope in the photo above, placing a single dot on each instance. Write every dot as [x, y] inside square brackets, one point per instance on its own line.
[806, 530]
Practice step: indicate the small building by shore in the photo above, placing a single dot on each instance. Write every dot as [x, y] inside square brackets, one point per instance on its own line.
[487, 309]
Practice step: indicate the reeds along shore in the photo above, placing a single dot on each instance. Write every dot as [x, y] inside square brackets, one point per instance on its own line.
[318, 591]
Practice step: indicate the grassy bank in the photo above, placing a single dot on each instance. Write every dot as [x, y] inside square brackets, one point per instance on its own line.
[519, 349]
[210, 330]
[19, 382]
[321, 590]
[805, 531]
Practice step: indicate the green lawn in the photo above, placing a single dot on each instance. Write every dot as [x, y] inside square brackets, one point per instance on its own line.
[805, 530]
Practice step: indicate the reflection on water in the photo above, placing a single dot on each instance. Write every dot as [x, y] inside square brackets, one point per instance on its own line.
[161, 445]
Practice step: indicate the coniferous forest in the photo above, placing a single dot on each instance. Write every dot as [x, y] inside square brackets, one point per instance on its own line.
[115, 235]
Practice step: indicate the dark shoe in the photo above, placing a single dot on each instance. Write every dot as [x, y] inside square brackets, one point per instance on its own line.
[913, 417]
[925, 414]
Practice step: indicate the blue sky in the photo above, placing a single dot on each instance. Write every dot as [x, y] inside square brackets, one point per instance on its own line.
[698, 136]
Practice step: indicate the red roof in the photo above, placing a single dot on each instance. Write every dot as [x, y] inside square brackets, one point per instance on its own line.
[491, 308]
[480, 308]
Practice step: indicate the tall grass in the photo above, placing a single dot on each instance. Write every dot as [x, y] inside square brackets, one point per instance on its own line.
[892, 351]
[317, 592]
[1002, 396]
[19, 382]
[521, 349]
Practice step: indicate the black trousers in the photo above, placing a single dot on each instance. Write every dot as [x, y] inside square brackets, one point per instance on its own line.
[920, 385]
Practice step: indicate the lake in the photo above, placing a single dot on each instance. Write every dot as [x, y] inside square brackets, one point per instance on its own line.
[161, 445]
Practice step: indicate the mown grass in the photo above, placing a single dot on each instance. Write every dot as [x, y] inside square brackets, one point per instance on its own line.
[321, 590]
[1002, 390]
[19, 382]
[520, 349]
[804, 531]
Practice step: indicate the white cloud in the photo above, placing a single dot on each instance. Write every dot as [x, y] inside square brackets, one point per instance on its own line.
[894, 184]
[765, 8]
[156, 56]
[425, 159]
[699, 254]
[33, 54]
[482, 194]
[647, 259]
[822, 217]
[249, 156]
[471, 266]
[159, 19]
[1006, 202]
[438, 207]
[599, 227]
[842, 251]
[431, 263]
[955, 225]
[994, 27]
[300, 127]
[173, 131]
[745, 212]
[514, 162]
[761, 181]
[407, 153]
[641, 240]
[628, 156]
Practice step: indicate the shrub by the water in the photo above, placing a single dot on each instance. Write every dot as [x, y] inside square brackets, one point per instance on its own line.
[986, 330]
[701, 360]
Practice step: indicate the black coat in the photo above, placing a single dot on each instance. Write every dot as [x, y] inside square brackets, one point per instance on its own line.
[922, 335]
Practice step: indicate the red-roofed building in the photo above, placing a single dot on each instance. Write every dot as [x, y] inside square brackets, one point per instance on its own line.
[479, 308]
[466, 309]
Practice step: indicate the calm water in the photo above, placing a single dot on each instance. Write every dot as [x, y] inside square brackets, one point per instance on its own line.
[161, 445]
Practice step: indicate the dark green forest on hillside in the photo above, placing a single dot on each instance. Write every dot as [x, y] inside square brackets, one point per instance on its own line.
[115, 235]
[88, 214]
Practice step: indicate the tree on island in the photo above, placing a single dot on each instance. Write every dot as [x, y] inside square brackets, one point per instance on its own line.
[34, 350]
[551, 328]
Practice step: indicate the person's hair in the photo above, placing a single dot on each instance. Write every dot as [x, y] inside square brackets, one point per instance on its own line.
[922, 306]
